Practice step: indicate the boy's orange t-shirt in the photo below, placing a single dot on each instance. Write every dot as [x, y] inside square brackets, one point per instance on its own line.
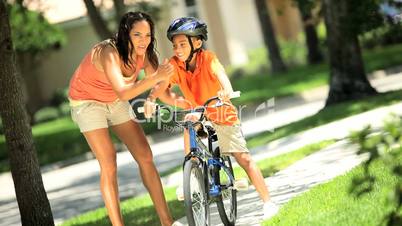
[202, 84]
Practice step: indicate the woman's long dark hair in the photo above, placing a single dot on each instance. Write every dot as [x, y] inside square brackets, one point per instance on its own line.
[123, 42]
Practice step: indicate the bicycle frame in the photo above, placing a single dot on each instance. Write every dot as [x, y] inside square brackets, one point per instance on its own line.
[206, 161]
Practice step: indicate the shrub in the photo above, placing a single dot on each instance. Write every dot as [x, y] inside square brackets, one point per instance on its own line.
[64, 109]
[46, 114]
[384, 146]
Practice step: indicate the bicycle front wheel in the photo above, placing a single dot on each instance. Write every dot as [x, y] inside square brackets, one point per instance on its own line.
[227, 201]
[195, 196]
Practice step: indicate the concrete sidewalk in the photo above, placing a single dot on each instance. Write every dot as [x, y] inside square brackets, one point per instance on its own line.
[75, 189]
[293, 181]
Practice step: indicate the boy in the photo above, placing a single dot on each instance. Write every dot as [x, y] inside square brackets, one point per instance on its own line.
[200, 76]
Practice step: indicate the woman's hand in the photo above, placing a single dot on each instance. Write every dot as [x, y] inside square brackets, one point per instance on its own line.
[165, 71]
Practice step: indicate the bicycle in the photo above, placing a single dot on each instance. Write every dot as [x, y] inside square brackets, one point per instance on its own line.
[207, 175]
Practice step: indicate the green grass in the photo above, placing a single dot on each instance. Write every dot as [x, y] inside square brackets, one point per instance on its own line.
[332, 203]
[261, 86]
[140, 211]
[326, 115]
[136, 211]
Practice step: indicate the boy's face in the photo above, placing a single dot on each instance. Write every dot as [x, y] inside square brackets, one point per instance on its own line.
[182, 48]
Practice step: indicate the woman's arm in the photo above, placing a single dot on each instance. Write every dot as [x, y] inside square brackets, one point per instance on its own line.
[159, 88]
[174, 99]
[110, 62]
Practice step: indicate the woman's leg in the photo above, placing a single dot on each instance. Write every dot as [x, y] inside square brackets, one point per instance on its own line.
[253, 172]
[101, 145]
[133, 136]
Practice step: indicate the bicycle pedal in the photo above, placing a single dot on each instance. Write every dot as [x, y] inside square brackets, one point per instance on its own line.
[241, 184]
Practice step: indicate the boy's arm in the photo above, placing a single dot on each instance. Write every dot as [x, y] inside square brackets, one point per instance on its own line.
[226, 86]
[174, 99]
[165, 95]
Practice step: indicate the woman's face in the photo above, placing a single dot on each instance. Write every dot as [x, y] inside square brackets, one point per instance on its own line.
[140, 36]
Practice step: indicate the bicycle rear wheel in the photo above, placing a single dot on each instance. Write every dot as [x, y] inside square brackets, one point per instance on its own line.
[195, 196]
[227, 201]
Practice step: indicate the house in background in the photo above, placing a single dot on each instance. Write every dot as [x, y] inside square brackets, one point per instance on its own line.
[233, 28]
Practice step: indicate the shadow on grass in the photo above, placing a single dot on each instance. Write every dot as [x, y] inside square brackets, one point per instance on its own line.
[327, 115]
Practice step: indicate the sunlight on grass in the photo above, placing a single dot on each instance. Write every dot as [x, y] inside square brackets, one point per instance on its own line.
[140, 211]
[333, 204]
[327, 115]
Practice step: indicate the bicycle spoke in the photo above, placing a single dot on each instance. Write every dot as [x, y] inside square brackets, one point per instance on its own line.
[197, 198]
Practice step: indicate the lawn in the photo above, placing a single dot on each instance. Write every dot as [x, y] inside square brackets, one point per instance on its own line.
[333, 204]
[140, 211]
[327, 115]
[262, 86]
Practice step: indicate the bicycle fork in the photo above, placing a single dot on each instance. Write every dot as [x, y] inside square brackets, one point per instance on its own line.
[214, 166]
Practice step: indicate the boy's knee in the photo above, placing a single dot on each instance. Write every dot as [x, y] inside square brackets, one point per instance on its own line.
[244, 159]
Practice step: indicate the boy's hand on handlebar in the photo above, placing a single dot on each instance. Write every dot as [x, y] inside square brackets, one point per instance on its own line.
[193, 117]
[224, 95]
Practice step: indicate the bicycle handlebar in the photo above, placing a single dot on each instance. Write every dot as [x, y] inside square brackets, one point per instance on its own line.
[233, 95]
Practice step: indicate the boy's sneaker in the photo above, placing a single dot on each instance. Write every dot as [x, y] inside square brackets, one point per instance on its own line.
[176, 223]
[180, 193]
[270, 209]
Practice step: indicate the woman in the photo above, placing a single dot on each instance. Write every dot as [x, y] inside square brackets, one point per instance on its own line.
[99, 92]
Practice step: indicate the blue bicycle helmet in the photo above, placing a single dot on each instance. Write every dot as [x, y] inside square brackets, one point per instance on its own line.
[189, 26]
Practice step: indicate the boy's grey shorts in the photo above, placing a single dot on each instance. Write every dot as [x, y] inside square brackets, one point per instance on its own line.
[230, 138]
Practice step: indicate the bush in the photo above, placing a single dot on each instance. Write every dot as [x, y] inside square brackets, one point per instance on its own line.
[54, 141]
[383, 36]
[64, 109]
[384, 146]
[59, 97]
[46, 114]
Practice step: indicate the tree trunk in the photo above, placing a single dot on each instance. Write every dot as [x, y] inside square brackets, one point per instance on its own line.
[31, 196]
[97, 22]
[277, 64]
[314, 55]
[120, 9]
[348, 79]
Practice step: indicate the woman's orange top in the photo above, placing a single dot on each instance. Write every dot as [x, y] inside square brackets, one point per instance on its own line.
[89, 83]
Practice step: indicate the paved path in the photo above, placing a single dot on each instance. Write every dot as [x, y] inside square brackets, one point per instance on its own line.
[333, 161]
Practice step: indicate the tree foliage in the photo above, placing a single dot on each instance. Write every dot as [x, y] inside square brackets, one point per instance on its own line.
[31, 32]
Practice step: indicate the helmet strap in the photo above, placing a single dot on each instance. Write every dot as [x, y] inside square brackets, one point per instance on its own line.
[191, 53]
